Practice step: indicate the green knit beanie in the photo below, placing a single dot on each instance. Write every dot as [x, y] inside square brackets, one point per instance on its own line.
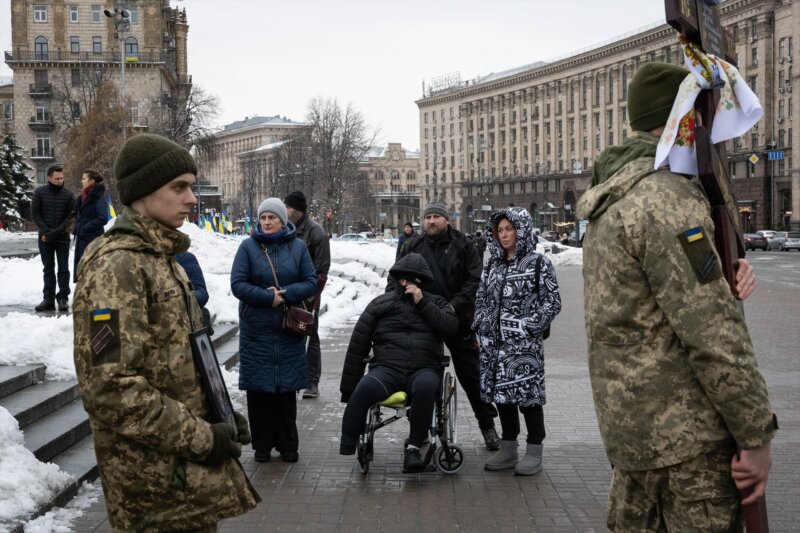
[146, 162]
[651, 93]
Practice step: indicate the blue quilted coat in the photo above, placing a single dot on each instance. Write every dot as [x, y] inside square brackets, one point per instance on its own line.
[271, 360]
[510, 316]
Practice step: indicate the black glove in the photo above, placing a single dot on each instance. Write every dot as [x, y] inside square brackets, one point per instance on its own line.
[225, 444]
[242, 429]
[345, 397]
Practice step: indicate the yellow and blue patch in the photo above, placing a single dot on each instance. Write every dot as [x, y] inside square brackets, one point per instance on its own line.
[101, 315]
[694, 234]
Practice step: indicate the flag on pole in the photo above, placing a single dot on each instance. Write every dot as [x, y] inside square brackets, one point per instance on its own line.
[111, 213]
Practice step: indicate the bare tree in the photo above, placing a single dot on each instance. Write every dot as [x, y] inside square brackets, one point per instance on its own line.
[186, 122]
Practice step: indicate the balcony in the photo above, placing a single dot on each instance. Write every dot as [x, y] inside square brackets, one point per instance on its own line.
[40, 91]
[41, 123]
[43, 154]
[61, 56]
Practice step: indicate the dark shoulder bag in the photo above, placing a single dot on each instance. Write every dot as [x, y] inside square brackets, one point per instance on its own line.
[296, 318]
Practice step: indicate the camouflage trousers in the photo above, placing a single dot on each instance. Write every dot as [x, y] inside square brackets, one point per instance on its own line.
[696, 495]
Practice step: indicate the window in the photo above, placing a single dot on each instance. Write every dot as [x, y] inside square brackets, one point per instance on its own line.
[43, 144]
[73, 13]
[76, 110]
[753, 83]
[754, 56]
[41, 113]
[40, 77]
[134, 15]
[8, 110]
[75, 74]
[131, 47]
[39, 13]
[97, 44]
[41, 48]
[74, 44]
[97, 11]
[41, 174]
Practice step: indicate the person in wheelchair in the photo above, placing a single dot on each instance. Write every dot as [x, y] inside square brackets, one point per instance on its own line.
[404, 329]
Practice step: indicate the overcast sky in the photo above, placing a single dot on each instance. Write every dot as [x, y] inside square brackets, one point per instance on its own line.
[265, 57]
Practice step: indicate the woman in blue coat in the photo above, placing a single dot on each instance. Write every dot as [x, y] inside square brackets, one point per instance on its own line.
[272, 361]
[91, 214]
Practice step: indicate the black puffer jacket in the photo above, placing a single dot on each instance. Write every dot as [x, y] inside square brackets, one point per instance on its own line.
[51, 208]
[401, 334]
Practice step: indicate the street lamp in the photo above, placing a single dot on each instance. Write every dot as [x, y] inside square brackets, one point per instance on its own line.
[122, 23]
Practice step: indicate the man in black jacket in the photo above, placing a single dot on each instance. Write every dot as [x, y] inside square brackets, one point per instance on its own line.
[456, 268]
[319, 247]
[404, 329]
[51, 208]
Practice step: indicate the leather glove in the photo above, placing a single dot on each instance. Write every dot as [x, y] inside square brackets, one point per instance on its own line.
[225, 445]
[242, 429]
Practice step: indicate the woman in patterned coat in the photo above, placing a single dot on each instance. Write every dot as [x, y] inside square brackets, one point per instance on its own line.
[516, 301]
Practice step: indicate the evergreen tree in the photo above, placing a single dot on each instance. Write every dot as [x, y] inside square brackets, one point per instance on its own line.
[15, 185]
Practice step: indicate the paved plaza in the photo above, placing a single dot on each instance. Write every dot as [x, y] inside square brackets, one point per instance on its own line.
[326, 492]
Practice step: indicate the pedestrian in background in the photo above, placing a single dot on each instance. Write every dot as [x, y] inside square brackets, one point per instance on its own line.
[192, 268]
[52, 208]
[164, 466]
[408, 231]
[456, 268]
[404, 331]
[480, 243]
[91, 214]
[517, 300]
[682, 408]
[272, 269]
[319, 247]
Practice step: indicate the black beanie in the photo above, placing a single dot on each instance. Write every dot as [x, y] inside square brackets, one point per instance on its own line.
[296, 200]
[651, 93]
[146, 162]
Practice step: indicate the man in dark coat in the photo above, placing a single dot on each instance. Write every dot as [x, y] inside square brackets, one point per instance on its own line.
[319, 247]
[456, 268]
[480, 243]
[404, 329]
[51, 208]
[408, 232]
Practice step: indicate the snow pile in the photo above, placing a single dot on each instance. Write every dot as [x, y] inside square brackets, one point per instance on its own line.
[17, 235]
[25, 483]
[32, 340]
[59, 520]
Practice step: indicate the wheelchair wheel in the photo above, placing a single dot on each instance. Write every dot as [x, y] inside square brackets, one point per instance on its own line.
[450, 459]
[365, 442]
[450, 395]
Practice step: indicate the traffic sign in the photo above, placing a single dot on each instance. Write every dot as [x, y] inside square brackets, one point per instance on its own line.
[754, 159]
[775, 155]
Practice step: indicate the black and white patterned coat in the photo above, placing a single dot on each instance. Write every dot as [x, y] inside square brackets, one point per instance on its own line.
[510, 318]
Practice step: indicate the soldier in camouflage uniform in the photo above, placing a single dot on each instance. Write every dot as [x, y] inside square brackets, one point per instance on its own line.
[674, 377]
[163, 466]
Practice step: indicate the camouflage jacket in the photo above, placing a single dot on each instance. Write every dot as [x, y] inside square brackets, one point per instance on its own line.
[672, 366]
[139, 384]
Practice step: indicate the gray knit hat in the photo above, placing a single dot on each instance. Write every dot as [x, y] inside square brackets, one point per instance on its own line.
[274, 205]
[147, 162]
[436, 208]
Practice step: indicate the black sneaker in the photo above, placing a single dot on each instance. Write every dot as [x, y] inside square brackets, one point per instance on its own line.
[63, 305]
[262, 456]
[311, 392]
[46, 305]
[412, 461]
[290, 457]
[491, 439]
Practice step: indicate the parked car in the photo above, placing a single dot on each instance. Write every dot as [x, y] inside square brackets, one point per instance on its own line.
[792, 241]
[776, 241]
[755, 241]
[766, 233]
[352, 237]
[550, 235]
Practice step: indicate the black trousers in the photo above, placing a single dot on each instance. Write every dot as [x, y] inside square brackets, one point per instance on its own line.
[313, 354]
[52, 252]
[465, 356]
[534, 420]
[422, 386]
[273, 421]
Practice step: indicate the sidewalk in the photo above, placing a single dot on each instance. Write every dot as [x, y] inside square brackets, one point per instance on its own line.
[326, 492]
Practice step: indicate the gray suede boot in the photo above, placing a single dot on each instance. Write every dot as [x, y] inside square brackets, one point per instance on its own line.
[504, 458]
[532, 462]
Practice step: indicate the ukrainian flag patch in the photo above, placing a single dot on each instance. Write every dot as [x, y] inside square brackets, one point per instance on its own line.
[101, 315]
[694, 234]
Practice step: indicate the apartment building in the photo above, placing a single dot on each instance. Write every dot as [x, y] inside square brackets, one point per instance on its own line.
[391, 173]
[7, 101]
[529, 136]
[61, 46]
[241, 160]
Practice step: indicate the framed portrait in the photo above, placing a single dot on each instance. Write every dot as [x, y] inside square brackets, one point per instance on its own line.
[205, 359]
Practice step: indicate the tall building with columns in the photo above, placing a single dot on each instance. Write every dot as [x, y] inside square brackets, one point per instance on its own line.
[61, 47]
[529, 136]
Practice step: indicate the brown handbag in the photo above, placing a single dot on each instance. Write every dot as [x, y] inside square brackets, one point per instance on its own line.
[296, 318]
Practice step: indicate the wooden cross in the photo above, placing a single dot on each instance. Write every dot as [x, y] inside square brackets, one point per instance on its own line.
[699, 22]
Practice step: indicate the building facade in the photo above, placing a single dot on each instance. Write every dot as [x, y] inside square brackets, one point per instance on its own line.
[529, 136]
[241, 161]
[62, 48]
[391, 173]
[7, 102]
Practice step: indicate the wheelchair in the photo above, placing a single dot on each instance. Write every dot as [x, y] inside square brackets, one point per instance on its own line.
[446, 455]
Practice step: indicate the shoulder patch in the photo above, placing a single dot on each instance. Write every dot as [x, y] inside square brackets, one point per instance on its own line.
[700, 251]
[104, 334]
